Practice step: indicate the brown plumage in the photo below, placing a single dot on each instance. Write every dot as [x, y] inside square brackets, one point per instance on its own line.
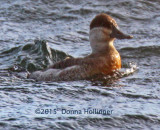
[103, 20]
[104, 58]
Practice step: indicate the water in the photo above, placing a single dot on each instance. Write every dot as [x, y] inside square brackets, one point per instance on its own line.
[133, 98]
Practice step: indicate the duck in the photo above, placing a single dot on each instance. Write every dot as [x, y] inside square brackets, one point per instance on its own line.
[104, 58]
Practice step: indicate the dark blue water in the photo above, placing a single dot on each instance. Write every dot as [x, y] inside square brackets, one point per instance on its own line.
[132, 101]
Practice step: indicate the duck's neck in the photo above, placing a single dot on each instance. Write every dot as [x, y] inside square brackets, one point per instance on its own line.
[100, 47]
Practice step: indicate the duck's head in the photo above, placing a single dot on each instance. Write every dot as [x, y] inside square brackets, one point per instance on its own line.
[103, 31]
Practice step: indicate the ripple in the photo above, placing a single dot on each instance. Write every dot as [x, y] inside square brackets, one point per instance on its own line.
[140, 52]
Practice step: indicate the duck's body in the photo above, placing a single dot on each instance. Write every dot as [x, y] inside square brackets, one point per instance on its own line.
[104, 58]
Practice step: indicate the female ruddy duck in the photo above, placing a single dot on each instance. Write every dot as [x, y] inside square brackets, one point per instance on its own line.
[104, 58]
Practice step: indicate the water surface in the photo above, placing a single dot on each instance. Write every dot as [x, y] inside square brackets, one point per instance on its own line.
[64, 24]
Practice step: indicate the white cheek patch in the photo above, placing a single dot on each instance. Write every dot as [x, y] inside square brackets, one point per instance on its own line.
[107, 31]
[99, 38]
[99, 34]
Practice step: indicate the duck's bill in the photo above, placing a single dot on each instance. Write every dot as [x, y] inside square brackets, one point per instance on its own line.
[116, 33]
